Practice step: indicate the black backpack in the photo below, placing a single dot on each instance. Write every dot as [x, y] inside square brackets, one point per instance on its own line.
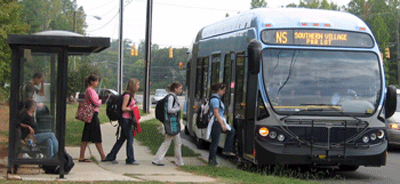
[55, 169]
[114, 107]
[205, 113]
[161, 108]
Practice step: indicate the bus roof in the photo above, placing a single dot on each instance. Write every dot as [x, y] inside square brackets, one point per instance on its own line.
[278, 18]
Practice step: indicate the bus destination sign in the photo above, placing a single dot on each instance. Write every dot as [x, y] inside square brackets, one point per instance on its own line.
[316, 38]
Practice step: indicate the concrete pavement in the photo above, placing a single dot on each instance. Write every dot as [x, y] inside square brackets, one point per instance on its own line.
[107, 171]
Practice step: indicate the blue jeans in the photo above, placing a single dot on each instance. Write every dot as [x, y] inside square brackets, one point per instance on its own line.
[126, 134]
[51, 140]
[215, 135]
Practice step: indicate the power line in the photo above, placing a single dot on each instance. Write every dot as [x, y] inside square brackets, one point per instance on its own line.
[194, 7]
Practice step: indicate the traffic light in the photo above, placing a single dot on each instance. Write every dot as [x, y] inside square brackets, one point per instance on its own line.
[134, 51]
[387, 52]
[171, 52]
[180, 65]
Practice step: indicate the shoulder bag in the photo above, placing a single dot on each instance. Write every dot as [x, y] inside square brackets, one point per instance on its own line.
[85, 111]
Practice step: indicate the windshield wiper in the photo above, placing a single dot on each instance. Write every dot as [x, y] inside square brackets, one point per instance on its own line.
[318, 107]
[315, 108]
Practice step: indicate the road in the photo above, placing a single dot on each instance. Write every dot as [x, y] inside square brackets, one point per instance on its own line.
[389, 174]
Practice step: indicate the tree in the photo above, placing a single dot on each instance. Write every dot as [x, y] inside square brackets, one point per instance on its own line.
[317, 4]
[258, 4]
[43, 15]
[10, 13]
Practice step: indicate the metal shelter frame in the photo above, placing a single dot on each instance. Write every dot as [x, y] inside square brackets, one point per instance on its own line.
[62, 44]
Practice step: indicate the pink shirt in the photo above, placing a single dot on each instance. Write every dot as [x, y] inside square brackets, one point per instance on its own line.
[128, 115]
[94, 98]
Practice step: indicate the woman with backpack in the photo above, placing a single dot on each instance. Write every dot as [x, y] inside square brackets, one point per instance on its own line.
[174, 108]
[219, 125]
[92, 131]
[126, 122]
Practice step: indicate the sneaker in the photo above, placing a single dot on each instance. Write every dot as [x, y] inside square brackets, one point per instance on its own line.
[133, 163]
[114, 162]
[179, 164]
[157, 164]
[25, 155]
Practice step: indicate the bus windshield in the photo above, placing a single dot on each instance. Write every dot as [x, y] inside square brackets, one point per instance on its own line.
[345, 81]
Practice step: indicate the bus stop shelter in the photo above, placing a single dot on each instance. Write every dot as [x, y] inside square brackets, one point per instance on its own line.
[43, 54]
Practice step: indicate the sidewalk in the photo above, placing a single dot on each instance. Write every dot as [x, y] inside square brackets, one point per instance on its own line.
[107, 171]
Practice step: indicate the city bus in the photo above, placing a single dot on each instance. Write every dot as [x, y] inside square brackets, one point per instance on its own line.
[304, 87]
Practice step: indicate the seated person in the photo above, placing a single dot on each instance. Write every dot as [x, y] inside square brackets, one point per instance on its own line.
[29, 126]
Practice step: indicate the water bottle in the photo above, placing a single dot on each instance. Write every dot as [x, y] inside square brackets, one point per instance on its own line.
[30, 143]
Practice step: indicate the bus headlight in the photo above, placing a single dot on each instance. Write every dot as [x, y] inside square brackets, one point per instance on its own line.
[263, 131]
[381, 134]
[372, 137]
[281, 137]
[273, 135]
[365, 139]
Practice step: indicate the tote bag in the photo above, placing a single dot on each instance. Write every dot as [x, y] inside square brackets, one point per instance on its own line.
[85, 111]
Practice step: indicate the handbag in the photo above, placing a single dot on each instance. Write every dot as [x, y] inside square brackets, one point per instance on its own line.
[85, 111]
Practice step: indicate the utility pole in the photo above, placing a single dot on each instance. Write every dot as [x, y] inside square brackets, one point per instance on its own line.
[397, 45]
[146, 97]
[120, 49]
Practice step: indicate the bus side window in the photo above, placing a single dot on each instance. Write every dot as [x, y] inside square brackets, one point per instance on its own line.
[215, 68]
[199, 74]
[204, 81]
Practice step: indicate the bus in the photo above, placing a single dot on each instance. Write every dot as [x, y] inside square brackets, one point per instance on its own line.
[304, 87]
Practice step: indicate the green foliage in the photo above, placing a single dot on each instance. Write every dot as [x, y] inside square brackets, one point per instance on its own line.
[10, 13]
[258, 4]
[76, 78]
[43, 15]
[317, 4]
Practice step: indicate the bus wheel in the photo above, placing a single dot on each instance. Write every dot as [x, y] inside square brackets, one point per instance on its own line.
[348, 167]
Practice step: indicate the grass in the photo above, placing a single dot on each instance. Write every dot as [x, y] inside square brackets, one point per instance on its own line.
[233, 175]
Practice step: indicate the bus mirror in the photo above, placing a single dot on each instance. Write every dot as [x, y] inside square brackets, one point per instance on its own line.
[254, 54]
[390, 101]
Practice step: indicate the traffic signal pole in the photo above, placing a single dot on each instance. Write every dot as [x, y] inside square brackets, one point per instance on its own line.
[146, 96]
[398, 45]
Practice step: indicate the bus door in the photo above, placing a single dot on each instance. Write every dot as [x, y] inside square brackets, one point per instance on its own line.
[245, 130]
[229, 81]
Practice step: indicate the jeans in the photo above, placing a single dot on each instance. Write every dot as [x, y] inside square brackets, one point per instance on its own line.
[51, 140]
[126, 134]
[215, 135]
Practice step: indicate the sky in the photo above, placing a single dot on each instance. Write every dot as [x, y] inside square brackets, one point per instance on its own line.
[175, 23]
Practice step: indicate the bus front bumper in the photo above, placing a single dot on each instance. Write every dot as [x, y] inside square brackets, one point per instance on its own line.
[267, 153]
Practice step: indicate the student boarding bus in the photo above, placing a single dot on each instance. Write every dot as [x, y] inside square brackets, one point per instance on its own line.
[304, 87]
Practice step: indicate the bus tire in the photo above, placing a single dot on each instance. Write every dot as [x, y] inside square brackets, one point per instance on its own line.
[348, 167]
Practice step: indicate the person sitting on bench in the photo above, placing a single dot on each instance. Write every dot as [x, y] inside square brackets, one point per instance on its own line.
[29, 126]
